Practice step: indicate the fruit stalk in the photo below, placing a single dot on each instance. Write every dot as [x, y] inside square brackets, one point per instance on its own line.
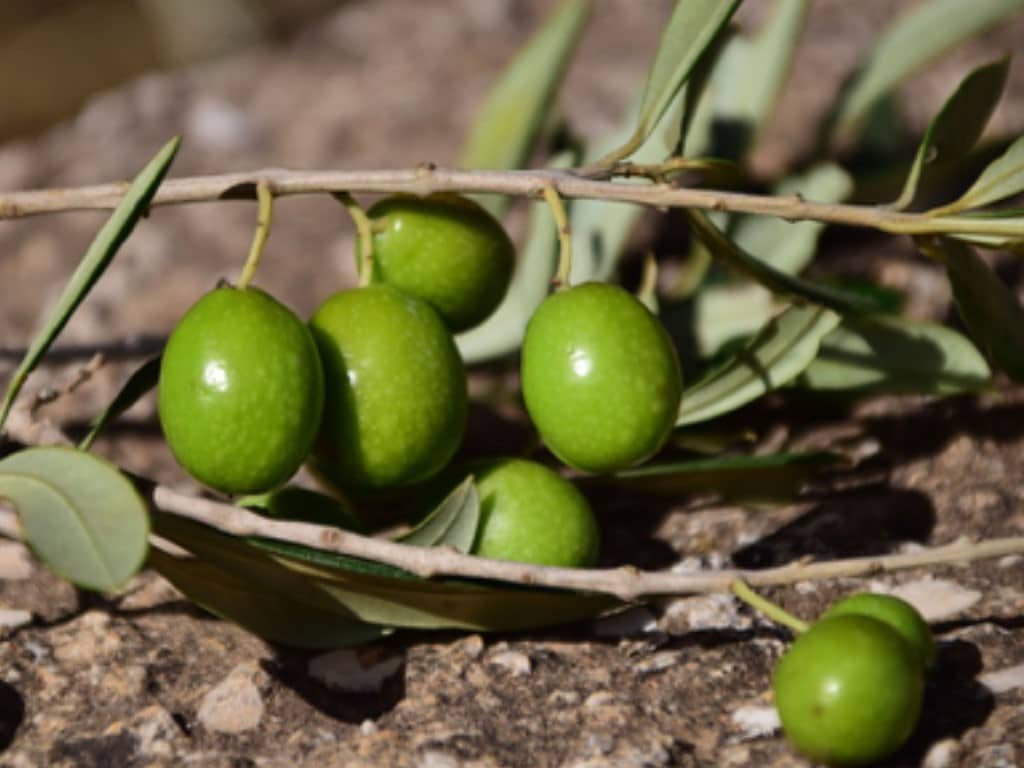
[259, 239]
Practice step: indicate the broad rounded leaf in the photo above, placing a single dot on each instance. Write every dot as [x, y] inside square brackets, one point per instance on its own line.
[78, 513]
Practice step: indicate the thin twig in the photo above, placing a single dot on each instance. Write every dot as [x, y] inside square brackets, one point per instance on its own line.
[569, 184]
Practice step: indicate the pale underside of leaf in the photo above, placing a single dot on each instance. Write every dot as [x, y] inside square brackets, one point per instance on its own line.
[453, 523]
[780, 352]
[78, 513]
[1003, 178]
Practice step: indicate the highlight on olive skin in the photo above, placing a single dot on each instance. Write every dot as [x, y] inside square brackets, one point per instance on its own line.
[240, 391]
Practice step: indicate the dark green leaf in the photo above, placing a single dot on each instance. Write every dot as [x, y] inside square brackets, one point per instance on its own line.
[915, 38]
[143, 379]
[1003, 178]
[97, 258]
[514, 111]
[692, 29]
[776, 355]
[775, 280]
[989, 309]
[79, 514]
[453, 523]
[893, 354]
[397, 599]
[955, 130]
[295, 503]
[284, 618]
[774, 476]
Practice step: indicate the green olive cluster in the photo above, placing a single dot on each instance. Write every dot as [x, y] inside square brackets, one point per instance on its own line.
[849, 690]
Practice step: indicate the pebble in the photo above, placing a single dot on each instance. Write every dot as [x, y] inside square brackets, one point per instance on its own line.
[628, 623]
[942, 754]
[705, 612]
[1003, 680]
[15, 561]
[12, 618]
[599, 699]
[234, 705]
[756, 720]
[516, 663]
[433, 758]
[657, 662]
[937, 599]
[368, 727]
[87, 639]
[346, 670]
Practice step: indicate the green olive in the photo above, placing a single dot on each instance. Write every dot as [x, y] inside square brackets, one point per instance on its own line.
[241, 391]
[848, 691]
[900, 615]
[600, 377]
[531, 514]
[395, 390]
[446, 250]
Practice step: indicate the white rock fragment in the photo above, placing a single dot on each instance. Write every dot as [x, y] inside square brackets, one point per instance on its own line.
[155, 730]
[756, 720]
[368, 727]
[235, 704]
[943, 754]
[433, 758]
[516, 663]
[1003, 680]
[628, 623]
[708, 612]
[344, 670]
[12, 618]
[937, 599]
[15, 561]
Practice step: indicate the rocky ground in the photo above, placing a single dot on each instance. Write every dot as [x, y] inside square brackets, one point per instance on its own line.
[146, 679]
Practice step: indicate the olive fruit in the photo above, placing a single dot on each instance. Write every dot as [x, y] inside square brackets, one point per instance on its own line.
[445, 250]
[241, 391]
[848, 691]
[395, 399]
[600, 377]
[531, 514]
[900, 615]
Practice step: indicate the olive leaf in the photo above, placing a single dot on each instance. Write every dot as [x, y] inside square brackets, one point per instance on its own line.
[692, 29]
[955, 130]
[991, 311]
[911, 41]
[280, 617]
[1002, 178]
[378, 593]
[895, 354]
[302, 504]
[514, 111]
[772, 476]
[783, 348]
[453, 523]
[139, 384]
[78, 513]
[96, 260]
[780, 282]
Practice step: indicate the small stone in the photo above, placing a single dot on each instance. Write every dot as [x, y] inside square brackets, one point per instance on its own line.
[635, 621]
[704, 612]
[756, 721]
[1003, 680]
[15, 561]
[154, 590]
[155, 730]
[563, 699]
[516, 663]
[234, 705]
[658, 662]
[942, 754]
[347, 670]
[599, 699]
[87, 640]
[1009, 561]
[12, 618]
[368, 727]
[937, 599]
[433, 758]
[472, 646]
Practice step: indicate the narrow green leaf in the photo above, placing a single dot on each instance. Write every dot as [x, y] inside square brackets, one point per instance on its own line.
[894, 354]
[692, 29]
[302, 504]
[142, 380]
[397, 599]
[78, 513]
[1003, 178]
[780, 352]
[502, 333]
[514, 111]
[955, 130]
[915, 38]
[278, 617]
[775, 280]
[989, 309]
[453, 523]
[96, 260]
[773, 476]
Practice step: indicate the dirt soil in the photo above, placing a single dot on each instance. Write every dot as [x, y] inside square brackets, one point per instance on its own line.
[146, 679]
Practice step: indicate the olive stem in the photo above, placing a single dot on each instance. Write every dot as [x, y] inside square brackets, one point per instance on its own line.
[265, 217]
[554, 200]
[647, 291]
[762, 605]
[364, 235]
[588, 183]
